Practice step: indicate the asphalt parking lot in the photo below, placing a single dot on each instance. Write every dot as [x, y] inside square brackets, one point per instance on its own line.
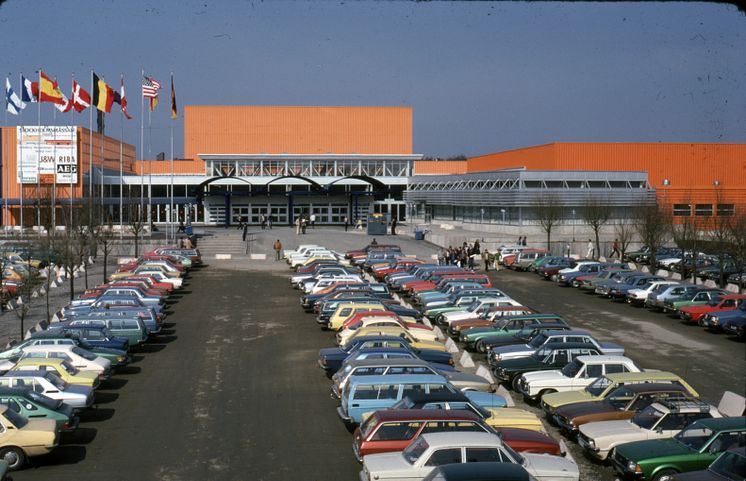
[232, 391]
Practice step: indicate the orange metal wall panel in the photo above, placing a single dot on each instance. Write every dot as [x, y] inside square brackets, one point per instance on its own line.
[181, 166]
[540, 157]
[439, 167]
[296, 130]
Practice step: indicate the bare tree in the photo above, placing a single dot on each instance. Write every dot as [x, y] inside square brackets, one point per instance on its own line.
[719, 236]
[652, 226]
[596, 212]
[737, 243]
[136, 221]
[104, 235]
[688, 236]
[625, 234]
[24, 297]
[549, 213]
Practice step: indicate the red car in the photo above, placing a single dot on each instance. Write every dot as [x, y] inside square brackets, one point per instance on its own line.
[393, 430]
[692, 314]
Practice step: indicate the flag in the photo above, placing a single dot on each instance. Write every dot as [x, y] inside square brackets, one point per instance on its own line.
[122, 100]
[66, 104]
[174, 112]
[29, 90]
[49, 91]
[13, 104]
[81, 98]
[103, 95]
[150, 87]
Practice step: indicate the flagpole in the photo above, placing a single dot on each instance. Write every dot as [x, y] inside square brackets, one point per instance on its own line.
[90, 151]
[38, 161]
[121, 135]
[72, 117]
[4, 171]
[150, 170]
[54, 166]
[142, 139]
[19, 162]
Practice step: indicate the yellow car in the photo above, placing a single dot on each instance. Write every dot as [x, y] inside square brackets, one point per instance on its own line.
[399, 332]
[345, 310]
[62, 368]
[601, 387]
[16, 258]
[22, 438]
[419, 331]
[313, 259]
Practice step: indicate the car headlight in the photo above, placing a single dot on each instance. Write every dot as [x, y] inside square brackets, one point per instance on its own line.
[633, 467]
[591, 443]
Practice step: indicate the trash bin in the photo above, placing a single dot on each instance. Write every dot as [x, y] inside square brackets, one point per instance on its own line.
[419, 234]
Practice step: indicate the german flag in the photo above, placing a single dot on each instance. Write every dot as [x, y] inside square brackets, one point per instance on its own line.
[103, 95]
[50, 91]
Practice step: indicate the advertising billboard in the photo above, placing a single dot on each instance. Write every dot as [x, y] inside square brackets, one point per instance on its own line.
[46, 154]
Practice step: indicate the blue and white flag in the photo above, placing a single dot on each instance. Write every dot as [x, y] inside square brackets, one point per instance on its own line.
[13, 104]
[29, 90]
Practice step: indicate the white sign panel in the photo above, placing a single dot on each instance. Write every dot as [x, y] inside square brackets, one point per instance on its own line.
[47, 154]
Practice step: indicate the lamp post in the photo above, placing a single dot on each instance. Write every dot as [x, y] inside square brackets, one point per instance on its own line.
[502, 211]
[573, 225]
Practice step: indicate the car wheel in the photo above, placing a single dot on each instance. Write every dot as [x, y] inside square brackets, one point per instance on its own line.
[13, 456]
[664, 475]
[516, 381]
[479, 346]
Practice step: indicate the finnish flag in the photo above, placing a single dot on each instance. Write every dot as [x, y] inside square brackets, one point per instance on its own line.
[13, 104]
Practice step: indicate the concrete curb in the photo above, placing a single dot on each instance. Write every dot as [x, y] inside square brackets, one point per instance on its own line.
[439, 334]
[465, 360]
[222, 257]
[676, 276]
[501, 391]
[256, 257]
[451, 346]
[732, 288]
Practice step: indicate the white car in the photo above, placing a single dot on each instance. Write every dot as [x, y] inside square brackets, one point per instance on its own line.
[581, 372]
[297, 280]
[436, 449]
[51, 385]
[76, 356]
[322, 284]
[301, 248]
[576, 268]
[639, 296]
[420, 333]
[478, 307]
[299, 261]
[662, 419]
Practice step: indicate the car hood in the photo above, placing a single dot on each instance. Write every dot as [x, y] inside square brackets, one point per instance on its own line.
[650, 448]
[486, 399]
[556, 399]
[464, 377]
[387, 465]
[544, 376]
[612, 430]
[513, 349]
[546, 466]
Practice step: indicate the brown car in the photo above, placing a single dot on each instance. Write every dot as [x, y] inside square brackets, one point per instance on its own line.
[621, 403]
[496, 316]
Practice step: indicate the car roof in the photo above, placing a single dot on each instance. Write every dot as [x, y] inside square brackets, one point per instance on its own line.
[461, 438]
[387, 362]
[482, 471]
[724, 423]
[384, 415]
[417, 398]
[26, 373]
[18, 391]
[399, 378]
[652, 387]
[569, 345]
[603, 358]
[567, 332]
[642, 376]
[50, 347]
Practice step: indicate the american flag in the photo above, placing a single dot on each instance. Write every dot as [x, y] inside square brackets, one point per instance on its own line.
[150, 87]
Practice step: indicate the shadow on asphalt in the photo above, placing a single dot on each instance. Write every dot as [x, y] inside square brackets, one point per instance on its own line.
[61, 455]
[164, 332]
[129, 370]
[96, 415]
[113, 383]
[106, 397]
[148, 348]
[136, 358]
[80, 436]
[168, 325]
[162, 340]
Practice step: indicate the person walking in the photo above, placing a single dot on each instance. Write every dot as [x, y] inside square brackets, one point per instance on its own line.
[615, 249]
[303, 225]
[278, 248]
[181, 226]
[297, 225]
[524, 241]
[269, 221]
[263, 220]
[486, 259]
[591, 250]
[393, 226]
[347, 223]
[313, 221]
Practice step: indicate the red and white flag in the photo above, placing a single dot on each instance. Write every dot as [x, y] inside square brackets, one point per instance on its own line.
[66, 105]
[81, 98]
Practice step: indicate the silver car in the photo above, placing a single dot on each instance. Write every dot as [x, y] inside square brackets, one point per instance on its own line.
[51, 385]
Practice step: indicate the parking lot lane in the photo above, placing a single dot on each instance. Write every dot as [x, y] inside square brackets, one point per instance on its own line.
[234, 394]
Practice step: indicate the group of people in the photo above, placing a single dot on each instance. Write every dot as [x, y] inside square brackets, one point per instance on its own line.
[303, 221]
[462, 256]
[185, 243]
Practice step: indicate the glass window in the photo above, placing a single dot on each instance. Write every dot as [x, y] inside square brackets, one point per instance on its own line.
[703, 210]
[726, 210]
[396, 431]
[444, 456]
[413, 389]
[483, 455]
[613, 368]
[682, 210]
[594, 370]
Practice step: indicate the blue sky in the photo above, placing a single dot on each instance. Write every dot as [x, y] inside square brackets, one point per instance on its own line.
[481, 77]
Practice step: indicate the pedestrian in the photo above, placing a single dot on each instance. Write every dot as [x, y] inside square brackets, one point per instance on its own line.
[263, 220]
[520, 240]
[297, 225]
[278, 249]
[359, 224]
[486, 259]
[188, 243]
[524, 241]
[245, 231]
[477, 247]
[615, 249]
[313, 221]
[374, 242]
[393, 226]
[591, 250]
[441, 257]
[347, 223]
[181, 226]
[269, 221]
[498, 258]
[472, 257]
[303, 225]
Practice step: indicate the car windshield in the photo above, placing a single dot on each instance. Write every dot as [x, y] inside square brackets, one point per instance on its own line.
[694, 436]
[69, 368]
[415, 450]
[541, 354]
[368, 426]
[730, 465]
[648, 417]
[473, 306]
[538, 341]
[44, 400]
[56, 380]
[14, 418]
[570, 370]
[619, 398]
[598, 386]
[513, 454]
[87, 355]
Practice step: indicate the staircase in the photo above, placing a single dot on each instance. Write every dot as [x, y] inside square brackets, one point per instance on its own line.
[219, 242]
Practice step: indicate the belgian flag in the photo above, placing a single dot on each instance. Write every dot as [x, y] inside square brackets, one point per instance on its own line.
[103, 95]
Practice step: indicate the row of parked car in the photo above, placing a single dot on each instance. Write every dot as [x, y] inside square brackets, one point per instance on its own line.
[412, 413]
[646, 424]
[49, 380]
[713, 308]
[707, 266]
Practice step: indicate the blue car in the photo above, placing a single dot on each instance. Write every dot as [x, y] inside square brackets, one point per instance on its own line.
[619, 291]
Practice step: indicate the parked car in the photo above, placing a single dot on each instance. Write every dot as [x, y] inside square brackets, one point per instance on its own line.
[51, 385]
[76, 356]
[481, 471]
[695, 298]
[431, 450]
[24, 438]
[731, 465]
[32, 405]
[117, 357]
[637, 297]
[692, 449]
[729, 302]
[61, 368]
[488, 319]
[518, 327]
[524, 350]
[719, 320]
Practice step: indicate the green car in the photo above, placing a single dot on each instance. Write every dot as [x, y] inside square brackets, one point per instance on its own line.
[31, 404]
[130, 328]
[462, 303]
[697, 298]
[693, 449]
[510, 326]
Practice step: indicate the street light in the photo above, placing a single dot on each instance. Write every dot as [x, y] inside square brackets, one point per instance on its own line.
[573, 225]
[502, 211]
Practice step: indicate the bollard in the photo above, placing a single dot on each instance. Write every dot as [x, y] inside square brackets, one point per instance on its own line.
[465, 360]
[451, 346]
[35, 294]
[485, 373]
[502, 392]
[438, 333]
